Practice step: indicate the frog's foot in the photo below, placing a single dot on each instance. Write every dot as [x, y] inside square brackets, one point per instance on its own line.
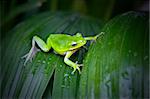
[76, 67]
[100, 34]
[78, 64]
[30, 55]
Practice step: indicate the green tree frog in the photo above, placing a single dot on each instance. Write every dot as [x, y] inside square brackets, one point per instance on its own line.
[62, 44]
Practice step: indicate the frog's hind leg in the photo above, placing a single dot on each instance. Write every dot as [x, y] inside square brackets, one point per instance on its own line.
[70, 63]
[43, 46]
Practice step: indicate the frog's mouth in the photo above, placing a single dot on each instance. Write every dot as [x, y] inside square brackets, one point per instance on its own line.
[72, 49]
[75, 48]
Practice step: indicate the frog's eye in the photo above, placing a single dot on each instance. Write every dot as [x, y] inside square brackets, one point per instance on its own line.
[79, 35]
[74, 43]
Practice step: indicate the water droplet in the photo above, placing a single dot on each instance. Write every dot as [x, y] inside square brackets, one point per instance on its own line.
[43, 62]
[129, 51]
[145, 57]
[69, 77]
[66, 80]
[67, 86]
[66, 75]
[63, 86]
[60, 65]
[135, 54]
[39, 61]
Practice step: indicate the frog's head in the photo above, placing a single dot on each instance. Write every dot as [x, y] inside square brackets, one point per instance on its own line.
[77, 41]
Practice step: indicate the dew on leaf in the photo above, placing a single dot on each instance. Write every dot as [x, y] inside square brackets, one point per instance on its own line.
[129, 51]
[49, 59]
[60, 65]
[63, 86]
[43, 62]
[145, 57]
[66, 75]
[39, 61]
[135, 54]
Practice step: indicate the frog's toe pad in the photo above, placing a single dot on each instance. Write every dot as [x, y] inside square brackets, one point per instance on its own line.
[80, 65]
[24, 56]
[77, 68]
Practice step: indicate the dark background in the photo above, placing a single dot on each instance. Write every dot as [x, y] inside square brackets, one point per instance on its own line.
[14, 11]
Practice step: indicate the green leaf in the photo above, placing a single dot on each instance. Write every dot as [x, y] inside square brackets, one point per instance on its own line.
[47, 75]
[102, 9]
[117, 65]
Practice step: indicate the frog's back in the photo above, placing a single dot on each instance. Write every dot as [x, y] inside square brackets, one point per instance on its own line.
[59, 36]
[59, 42]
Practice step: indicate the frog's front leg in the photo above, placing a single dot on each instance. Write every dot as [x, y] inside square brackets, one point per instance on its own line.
[43, 46]
[70, 63]
[95, 37]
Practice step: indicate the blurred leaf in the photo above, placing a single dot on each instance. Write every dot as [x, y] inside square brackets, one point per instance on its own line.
[54, 4]
[20, 9]
[79, 6]
[101, 8]
[35, 80]
[117, 66]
